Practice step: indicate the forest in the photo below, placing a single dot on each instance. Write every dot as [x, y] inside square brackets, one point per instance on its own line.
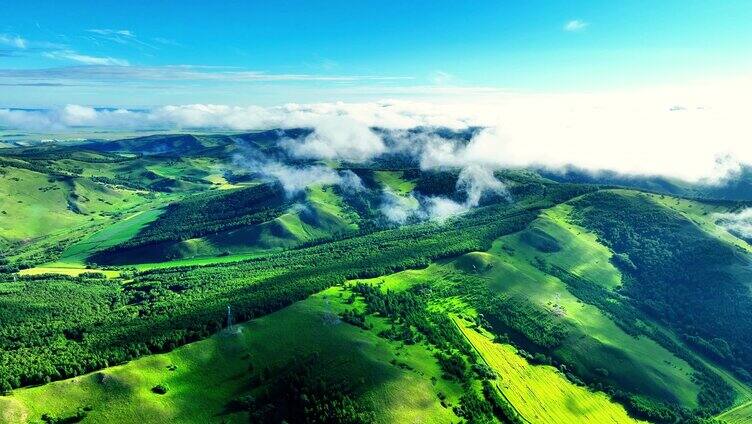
[68, 307]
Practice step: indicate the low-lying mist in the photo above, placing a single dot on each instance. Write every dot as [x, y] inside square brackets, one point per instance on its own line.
[473, 182]
[739, 223]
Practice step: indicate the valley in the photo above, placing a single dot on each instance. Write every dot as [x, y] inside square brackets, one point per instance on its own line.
[550, 302]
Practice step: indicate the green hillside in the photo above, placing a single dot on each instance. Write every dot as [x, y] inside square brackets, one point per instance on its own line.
[540, 392]
[399, 382]
[119, 232]
[204, 377]
[231, 222]
[557, 303]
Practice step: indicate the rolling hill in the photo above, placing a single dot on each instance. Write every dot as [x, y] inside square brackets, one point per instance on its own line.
[163, 278]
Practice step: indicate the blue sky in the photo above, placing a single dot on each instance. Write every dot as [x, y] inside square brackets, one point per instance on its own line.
[138, 53]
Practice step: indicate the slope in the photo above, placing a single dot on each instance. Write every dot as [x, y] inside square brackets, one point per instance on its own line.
[205, 377]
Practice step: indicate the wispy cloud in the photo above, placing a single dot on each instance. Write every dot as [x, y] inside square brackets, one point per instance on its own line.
[112, 32]
[575, 25]
[13, 41]
[119, 36]
[112, 69]
[35, 84]
[166, 41]
[439, 77]
[739, 224]
[21, 44]
[85, 59]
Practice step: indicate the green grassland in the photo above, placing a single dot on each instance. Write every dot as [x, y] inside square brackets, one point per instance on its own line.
[529, 311]
[120, 231]
[682, 261]
[400, 381]
[67, 270]
[52, 197]
[541, 393]
[742, 414]
[395, 181]
[320, 214]
[41, 213]
[597, 342]
[212, 372]
[632, 362]
[203, 377]
[69, 202]
[33, 206]
[704, 215]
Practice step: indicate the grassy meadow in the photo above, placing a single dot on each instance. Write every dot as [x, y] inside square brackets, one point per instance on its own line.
[520, 304]
[204, 376]
[541, 393]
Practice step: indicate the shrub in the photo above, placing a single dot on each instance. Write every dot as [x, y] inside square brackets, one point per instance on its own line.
[159, 389]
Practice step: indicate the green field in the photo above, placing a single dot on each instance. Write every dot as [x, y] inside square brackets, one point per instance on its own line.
[119, 232]
[542, 394]
[322, 215]
[639, 363]
[32, 206]
[66, 270]
[563, 303]
[741, 414]
[395, 181]
[212, 372]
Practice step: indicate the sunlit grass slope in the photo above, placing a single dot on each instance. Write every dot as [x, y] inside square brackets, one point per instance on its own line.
[320, 214]
[66, 270]
[741, 414]
[636, 363]
[118, 232]
[31, 205]
[541, 393]
[395, 181]
[41, 214]
[204, 376]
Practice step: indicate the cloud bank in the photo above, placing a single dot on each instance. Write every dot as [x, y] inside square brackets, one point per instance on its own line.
[337, 137]
[698, 133]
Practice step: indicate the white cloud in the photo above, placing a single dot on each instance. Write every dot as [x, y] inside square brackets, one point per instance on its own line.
[110, 69]
[575, 25]
[120, 32]
[120, 36]
[294, 179]
[441, 208]
[399, 209]
[13, 41]
[441, 78]
[739, 223]
[476, 181]
[166, 42]
[66, 117]
[641, 132]
[338, 137]
[85, 59]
